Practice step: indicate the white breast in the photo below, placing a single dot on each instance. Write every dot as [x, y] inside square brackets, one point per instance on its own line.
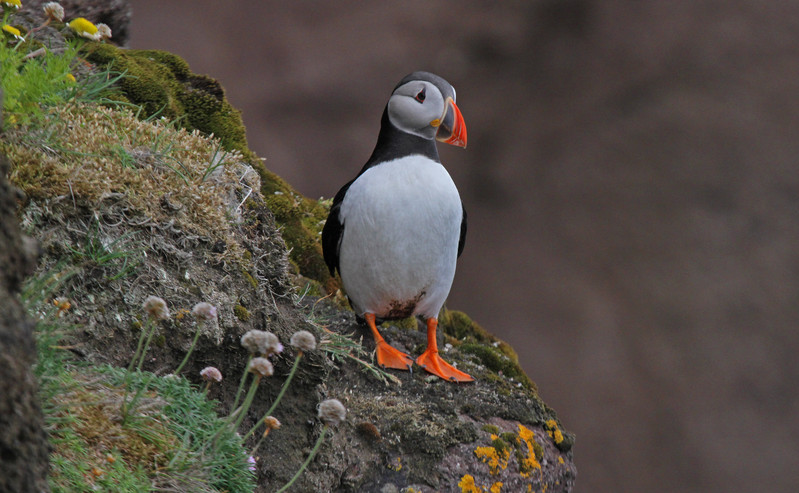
[400, 242]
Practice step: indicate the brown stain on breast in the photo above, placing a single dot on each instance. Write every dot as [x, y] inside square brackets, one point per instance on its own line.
[405, 308]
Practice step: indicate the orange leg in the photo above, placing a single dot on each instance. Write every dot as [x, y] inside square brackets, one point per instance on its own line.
[387, 356]
[432, 362]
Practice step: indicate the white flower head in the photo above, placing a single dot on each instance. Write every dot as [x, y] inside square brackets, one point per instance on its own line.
[332, 412]
[303, 340]
[261, 342]
[156, 308]
[261, 366]
[54, 11]
[103, 31]
[211, 374]
[204, 311]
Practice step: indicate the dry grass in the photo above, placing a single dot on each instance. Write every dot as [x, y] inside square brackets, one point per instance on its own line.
[89, 153]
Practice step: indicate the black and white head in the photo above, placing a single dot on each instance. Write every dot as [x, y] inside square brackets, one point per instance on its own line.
[423, 104]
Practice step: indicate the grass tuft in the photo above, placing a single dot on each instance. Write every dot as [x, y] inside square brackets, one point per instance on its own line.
[162, 447]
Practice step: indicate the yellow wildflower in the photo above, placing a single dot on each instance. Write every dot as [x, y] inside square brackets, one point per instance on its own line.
[12, 31]
[495, 487]
[83, 27]
[14, 4]
[70, 78]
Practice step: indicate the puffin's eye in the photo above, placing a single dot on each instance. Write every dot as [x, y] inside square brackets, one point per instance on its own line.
[420, 97]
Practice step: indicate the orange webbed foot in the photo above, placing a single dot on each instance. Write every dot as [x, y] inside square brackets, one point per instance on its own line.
[390, 357]
[432, 363]
[387, 356]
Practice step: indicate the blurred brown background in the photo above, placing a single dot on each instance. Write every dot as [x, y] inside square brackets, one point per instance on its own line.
[632, 187]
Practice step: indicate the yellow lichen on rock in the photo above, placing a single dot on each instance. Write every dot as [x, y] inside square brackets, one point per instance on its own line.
[529, 462]
[496, 459]
[467, 485]
[553, 431]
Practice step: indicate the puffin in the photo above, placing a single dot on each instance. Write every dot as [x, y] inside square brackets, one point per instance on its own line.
[395, 232]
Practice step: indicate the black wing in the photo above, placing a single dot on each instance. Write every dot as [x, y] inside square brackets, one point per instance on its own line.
[462, 240]
[332, 231]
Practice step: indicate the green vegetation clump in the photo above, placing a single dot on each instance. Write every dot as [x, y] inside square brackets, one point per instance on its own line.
[95, 449]
[495, 354]
[162, 85]
[241, 313]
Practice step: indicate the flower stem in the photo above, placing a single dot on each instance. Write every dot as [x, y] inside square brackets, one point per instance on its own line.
[241, 386]
[307, 461]
[193, 343]
[279, 396]
[143, 336]
[247, 401]
[141, 349]
[146, 346]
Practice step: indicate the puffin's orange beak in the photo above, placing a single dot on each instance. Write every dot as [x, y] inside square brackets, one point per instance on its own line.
[451, 127]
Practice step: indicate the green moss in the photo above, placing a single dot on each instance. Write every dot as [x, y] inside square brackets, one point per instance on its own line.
[538, 450]
[509, 437]
[241, 313]
[301, 220]
[494, 430]
[162, 85]
[495, 354]
[497, 361]
[501, 446]
[250, 279]
[407, 323]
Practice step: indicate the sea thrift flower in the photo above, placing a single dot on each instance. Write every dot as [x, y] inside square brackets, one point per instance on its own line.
[83, 27]
[204, 311]
[103, 31]
[332, 412]
[261, 342]
[303, 340]
[156, 308]
[261, 366]
[54, 11]
[271, 423]
[251, 463]
[62, 304]
[12, 31]
[211, 374]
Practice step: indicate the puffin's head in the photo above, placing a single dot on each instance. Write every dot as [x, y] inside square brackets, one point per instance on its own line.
[423, 104]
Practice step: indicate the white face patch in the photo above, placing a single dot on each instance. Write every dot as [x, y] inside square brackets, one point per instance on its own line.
[414, 105]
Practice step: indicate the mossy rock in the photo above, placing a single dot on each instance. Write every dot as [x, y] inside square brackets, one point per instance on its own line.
[163, 85]
[494, 353]
[301, 220]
